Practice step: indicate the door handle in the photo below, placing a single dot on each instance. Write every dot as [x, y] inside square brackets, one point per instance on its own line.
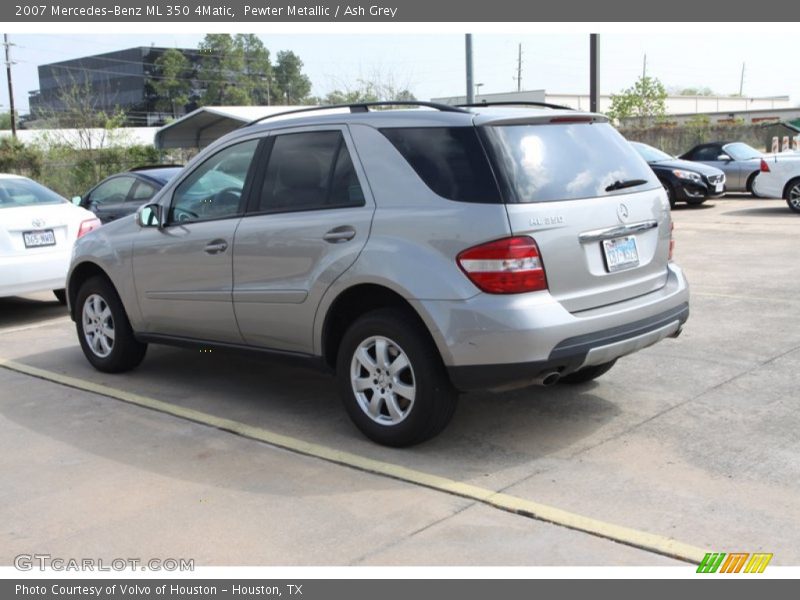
[216, 247]
[337, 235]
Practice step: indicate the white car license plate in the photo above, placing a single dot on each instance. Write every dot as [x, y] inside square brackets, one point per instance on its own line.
[35, 239]
[718, 188]
[621, 253]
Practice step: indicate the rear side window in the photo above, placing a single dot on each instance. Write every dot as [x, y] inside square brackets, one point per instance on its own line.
[567, 161]
[450, 160]
[310, 171]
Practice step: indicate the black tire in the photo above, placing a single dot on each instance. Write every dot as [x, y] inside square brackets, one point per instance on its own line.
[125, 352]
[434, 400]
[61, 295]
[588, 373]
[792, 195]
[695, 201]
[749, 185]
[670, 193]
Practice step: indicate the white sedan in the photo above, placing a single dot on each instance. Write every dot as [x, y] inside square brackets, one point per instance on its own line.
[37, 230]
[780, 178]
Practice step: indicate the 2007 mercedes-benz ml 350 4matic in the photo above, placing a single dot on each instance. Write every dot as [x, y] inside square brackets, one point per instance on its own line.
[416, 252]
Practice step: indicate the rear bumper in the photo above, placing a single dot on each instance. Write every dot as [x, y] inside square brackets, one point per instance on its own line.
[34, 273]
[494, 342]
[573, 353]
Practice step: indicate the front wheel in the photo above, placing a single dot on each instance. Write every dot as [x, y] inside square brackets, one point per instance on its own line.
[587, 374]
[104, 331]
[392, 381]
[792, 195]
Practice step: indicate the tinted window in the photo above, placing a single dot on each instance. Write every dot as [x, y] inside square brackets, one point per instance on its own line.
[567, 161]
[144, 191]
[214, 189]
[15, 192]
[450, 160]
[707, 153]
[112, 191]
[309, 171]
[649, 153]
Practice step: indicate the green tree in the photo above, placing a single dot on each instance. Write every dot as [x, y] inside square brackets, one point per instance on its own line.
[697, 91]
[5, 120]
[256, 77]
[646, 98]
[292, 86]
[367, 91]
[221, 65]
[172, 81]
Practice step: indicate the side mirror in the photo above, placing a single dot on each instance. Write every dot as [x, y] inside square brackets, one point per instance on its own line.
[76, 200]
[724, 157]
[149, 216]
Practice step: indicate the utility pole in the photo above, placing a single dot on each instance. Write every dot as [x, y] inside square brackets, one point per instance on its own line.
[470, 84]
[741, 82]
[594, 72]
[644, 67]
[7, 44]
[519, 68]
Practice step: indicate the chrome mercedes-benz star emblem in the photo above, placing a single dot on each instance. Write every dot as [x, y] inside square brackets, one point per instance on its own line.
[38, 223]
[622, 212]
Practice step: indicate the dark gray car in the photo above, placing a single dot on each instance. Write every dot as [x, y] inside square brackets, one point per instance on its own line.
[415, 253]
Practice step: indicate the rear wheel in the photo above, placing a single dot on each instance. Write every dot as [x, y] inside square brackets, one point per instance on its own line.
[792, 194]
[749, 185]
[670, 194]
[588, 373]
[104, 331]
[392, 381]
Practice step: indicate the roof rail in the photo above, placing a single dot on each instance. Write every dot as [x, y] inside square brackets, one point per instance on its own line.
[147, 167]
[361, 107]
[541, 104]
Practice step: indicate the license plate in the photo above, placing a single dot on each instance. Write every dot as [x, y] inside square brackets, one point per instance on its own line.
[621, 253]
[718, 188]
[35, 239]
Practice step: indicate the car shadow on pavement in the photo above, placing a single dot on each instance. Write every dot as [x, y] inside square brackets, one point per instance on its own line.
[18, 311]
[490, 433]
[761, 211]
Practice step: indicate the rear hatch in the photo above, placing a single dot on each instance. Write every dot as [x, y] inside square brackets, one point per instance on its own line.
[596, 210]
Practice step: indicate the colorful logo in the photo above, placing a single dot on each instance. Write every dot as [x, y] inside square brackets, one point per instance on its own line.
[735, 562]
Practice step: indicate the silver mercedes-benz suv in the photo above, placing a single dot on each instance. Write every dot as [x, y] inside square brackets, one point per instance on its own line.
[416, 253]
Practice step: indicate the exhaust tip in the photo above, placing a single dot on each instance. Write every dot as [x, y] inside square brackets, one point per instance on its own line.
[547, 379]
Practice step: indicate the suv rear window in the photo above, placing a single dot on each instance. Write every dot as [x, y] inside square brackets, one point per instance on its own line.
[565, 161]
[450, 160]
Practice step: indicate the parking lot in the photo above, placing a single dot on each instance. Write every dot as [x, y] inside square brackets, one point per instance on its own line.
[689, 446]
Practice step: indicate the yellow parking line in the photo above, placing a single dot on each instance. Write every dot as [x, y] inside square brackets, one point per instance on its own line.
[542, 512]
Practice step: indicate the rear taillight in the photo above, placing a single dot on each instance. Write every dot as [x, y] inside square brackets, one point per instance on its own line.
[87, 226]
[764, 166]
[671, 240]
[509, 266]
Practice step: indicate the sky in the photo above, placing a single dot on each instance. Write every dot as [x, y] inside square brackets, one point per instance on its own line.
[433, 65]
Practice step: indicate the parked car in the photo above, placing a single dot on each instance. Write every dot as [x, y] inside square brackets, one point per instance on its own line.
[415, 253]
[683, 180]
[739, 162]
[120, 195]
[37, 230]
[780, 178]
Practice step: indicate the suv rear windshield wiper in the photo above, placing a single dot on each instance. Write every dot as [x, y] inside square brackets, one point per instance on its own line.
[619, 185]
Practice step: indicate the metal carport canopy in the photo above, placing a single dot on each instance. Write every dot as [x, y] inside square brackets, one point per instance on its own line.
[204, 125]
